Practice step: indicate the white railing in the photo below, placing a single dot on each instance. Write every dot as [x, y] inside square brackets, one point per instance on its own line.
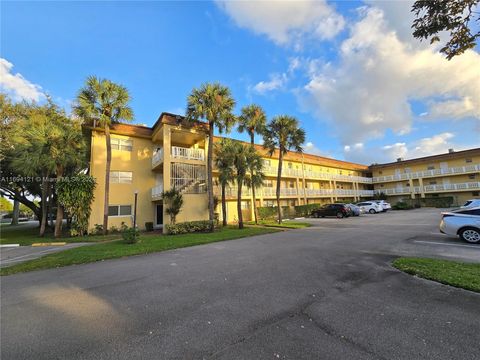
[157, 158]
[430, 188]
[266, 191]
[272, 170]
[188, 153]
[188, 178]
[157, 192]
[232, 191]
[428, 173]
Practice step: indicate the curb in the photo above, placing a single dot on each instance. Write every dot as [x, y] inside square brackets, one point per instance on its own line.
[49, 244]
[9, 245]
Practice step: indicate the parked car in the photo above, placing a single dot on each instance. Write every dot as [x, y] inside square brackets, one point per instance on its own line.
[370, 206]
[355, 209]
[471, 203]
[464, 223]
[385, 205]
[338, 210]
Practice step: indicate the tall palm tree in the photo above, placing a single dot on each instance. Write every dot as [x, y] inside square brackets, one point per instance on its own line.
[102, 103]
[252, 120]
[213, 103]
[282, 134]
[245, 159]
[224, 165]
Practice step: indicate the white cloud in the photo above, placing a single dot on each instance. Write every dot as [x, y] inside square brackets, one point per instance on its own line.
[16, 85]
[276, 82]
[311, 148]
[378, 75]
[436, 144]
[286, 22]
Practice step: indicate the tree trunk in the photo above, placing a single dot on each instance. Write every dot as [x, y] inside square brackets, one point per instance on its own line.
[107, 179]
[254, 199]
[279, 176]
[239, 204]
[16, 212]
[50, 206]
[211, 215]
[59, 218]
[43, 221]
[224, 206]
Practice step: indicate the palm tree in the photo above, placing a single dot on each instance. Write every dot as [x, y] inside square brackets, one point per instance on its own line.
[174, 199]
[245, 159]
[214, 103]
[252, 120]
[103, 103]
[224, 165]
[282, 134]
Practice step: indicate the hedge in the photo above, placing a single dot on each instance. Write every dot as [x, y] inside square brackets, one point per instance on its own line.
[270, 212]
[189, 227]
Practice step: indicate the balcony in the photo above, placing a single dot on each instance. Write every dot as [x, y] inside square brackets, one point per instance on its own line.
[157, 192]
[232, 191]
[271, 192]
[188, 153]
[428, 173]
[471, 186]
[157, 158]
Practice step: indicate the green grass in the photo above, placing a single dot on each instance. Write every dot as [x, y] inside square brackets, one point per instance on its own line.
[27, 234]
[454, 273]
[286, 224]
[115, 249]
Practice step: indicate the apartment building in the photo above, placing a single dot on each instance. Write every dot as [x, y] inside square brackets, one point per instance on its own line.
[173, 154]
[455, 174]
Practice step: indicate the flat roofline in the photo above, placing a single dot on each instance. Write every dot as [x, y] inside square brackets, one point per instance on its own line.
[431, 157]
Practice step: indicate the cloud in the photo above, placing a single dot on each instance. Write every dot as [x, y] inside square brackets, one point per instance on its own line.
[276, 82]
[311, 148]
[433, 145]
[286, 22]
[16, 85]
[370, 89]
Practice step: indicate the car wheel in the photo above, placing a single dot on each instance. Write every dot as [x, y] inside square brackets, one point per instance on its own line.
[372, 211]
[339, 215]
[470, 235]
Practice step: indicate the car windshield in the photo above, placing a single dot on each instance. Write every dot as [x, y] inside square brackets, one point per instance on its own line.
[468, 203]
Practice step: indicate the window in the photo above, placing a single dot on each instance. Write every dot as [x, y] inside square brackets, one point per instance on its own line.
[431, 167]
[267, 163]
[245, 205]
[289, 165]
[268, 183]
[433, 183]
[121, 144]
[472, 176]
[120, 210]
[292, 184]
[475, 193]
[468, 160]
[269, 203]
[121, 177]
[469, 212]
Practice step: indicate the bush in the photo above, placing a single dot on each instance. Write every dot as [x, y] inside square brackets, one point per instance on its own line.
[189, 227]
[306, 210]
[439, 202]
[267, 212]
[113, 230]
[402, 205]
[97, 229]
[149, 226]
[130, 235]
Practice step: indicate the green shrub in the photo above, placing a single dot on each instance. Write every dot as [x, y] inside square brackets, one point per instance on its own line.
[97, 229]
[149, 226]
[189, 227]
[402, 205]
[267, 212]
[305, 210]
[130, 235]
[113, 230]
[439, 202]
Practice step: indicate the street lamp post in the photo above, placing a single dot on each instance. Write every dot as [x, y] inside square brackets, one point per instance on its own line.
[135, 215]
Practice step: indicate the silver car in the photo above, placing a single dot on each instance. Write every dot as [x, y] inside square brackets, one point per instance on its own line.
[462, 222]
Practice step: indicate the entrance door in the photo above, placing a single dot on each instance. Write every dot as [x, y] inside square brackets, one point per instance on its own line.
[159, 214]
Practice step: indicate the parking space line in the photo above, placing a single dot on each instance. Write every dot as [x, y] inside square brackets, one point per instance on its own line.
[447, 244]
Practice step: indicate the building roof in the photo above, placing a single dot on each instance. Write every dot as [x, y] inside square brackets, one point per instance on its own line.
[438, 157]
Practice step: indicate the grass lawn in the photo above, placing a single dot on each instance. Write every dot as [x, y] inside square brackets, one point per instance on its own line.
[286, 224]
[454, 273]
[27, 234]
[147, 244]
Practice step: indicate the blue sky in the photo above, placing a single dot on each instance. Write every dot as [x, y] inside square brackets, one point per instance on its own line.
[363, 89]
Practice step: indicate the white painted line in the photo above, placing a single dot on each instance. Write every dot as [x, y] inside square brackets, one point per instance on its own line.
[10, 245]
[447, 244]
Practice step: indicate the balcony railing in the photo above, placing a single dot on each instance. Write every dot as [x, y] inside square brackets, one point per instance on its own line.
[188, 153]
[157, 158]
[430, 188]
[232, 191]
[272, 170]
[269, 192]
[428, 173]
[157, 192]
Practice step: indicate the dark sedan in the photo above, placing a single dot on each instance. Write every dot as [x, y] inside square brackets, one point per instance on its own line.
[338, 210]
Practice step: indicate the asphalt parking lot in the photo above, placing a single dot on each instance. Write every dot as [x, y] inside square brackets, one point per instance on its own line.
[325, 292]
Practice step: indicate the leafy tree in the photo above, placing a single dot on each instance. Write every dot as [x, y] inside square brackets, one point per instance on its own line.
[245, 159]
[454, 16]
[282, 135]
[224, 153]
[252, 120]
[174, 201]
[102, 103]
[213, 103]
[75, 194]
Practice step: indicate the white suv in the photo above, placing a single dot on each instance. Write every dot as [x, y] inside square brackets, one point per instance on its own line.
[462, 222]
[370, 206]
